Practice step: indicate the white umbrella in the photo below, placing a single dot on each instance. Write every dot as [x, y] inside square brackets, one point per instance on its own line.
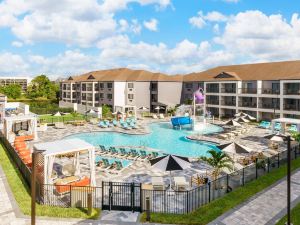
[277, 138]
[242, 120]
[91, 111]
[233, 123]
[143, 108]
[240, 114]
[170, 163]
[57, 114]
[234, 148]
[158, 108]
[251, 118]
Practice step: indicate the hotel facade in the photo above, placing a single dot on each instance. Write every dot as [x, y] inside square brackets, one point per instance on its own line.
[263, 90]
[22, 81]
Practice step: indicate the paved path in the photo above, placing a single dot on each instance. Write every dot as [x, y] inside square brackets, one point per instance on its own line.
[266, 207]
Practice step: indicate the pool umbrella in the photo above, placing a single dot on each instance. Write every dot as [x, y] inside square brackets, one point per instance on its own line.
[242, 120]
[91, 111]
[233, 123]
[234, 148]
[58, 113]
[275, 137]
[158, 108]
[240, 114]
[251, 118]
[143, 108]
[170, 163]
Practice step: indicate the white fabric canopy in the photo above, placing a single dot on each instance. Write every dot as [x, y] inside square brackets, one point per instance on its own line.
[235, 148]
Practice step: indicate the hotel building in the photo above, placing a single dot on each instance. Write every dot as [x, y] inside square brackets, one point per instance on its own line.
[22, 81]
[264, 90]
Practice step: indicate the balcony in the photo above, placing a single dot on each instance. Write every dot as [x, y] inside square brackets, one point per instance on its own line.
[291, 107]
[291, 91]
[228, 103]
[212, 102]
[248, 90]
[270, 91]
[270, 105]
[212, 90]
[228, 90]
[248, 104]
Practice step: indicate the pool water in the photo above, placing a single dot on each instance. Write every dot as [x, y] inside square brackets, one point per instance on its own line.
[124, 162]
[162, 137]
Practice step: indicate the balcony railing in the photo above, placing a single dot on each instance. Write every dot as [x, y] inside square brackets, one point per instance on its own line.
[270, 91]
[248, 104]
[292, 107]
[292, 91]
[212, 102]
[269, 105]
[228, 90]
[248, 90]
[228, 103]
[212, 90]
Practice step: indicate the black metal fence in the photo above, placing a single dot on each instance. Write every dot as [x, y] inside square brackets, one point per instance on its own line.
[64, 119]
[132, 196]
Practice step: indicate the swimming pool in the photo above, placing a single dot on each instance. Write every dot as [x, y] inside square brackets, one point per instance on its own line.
[162, 137]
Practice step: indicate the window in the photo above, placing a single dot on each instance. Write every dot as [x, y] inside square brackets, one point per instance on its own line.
[101, 95]
[130, 96]
[96, 87]
[109, 85]
[188, 85]
[64, 87]
[109, 96]
[83, 87]
[130, 85]
[83, 96]
[96, 97]
[101, 85]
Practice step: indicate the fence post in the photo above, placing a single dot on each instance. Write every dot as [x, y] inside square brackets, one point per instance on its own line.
[256, 174]
[141, 198]
[132, 197]
[148, 209]
[187, 202]
[243, 176]
[102, 197]
[209, 191]
[110, 195]
[278, 162]
[268, 164]
[89, 203]
[227, 183]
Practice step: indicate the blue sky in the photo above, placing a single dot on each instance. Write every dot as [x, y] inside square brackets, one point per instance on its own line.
[67, 37]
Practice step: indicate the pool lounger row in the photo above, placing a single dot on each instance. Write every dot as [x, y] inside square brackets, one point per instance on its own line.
[132, 153]
[107, 165]
[128, 124]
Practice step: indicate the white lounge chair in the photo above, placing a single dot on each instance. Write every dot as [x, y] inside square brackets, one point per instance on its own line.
[158, 183]
[180, 183]
[161, 116]
[154, 116]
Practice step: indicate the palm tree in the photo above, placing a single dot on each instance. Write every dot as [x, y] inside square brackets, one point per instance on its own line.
[218, 160]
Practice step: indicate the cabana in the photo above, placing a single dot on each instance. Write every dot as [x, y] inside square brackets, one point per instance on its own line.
[22, 125]
[283, 122]
[48, 151]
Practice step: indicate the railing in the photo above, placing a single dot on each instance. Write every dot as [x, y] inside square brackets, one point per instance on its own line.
[131, 196]
[228, 103]
[248, 90]
[270, 91]
[269, 106]
[248, 104]
[293, 107]
[212, 102]
[291, 91]
[228, 90]
[212, 90]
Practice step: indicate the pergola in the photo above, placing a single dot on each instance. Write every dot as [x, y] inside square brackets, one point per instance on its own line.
[283, 122]
[48, 151]
[9, 126]
[126, 109]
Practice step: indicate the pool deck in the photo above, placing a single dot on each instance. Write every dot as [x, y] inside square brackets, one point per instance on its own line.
[140, 170]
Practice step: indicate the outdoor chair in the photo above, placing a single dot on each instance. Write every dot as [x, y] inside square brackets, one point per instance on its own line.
[180, 183]
[158, 183]
[154, 116]
[59, 125]
[161, 116]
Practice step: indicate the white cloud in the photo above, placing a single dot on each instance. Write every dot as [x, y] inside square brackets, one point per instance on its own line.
[12, 64]
[216, 28]
[231, 1]
[201, 19]
[262, 37]
[151, 24]
[17, 44]
[197, 21]
[135, 26]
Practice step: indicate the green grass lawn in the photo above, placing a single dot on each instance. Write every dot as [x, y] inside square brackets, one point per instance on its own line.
[22, 196]
[64, 118]
[295, 216]
[211, 211]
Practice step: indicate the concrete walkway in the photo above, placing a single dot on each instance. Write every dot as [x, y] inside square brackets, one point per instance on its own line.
[266, 207]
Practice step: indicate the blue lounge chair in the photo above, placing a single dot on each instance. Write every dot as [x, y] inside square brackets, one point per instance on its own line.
[113, 150]
[132, 124]
[106, 163]
[154, 154]
[118, 165]
[277, 126]
[125, 126]
[265, 124]
[134, 153]
[123, 151]
[115, 123]
[143, 154]
[102, 124]
[102, 148]
[293, 128]
[107, 123]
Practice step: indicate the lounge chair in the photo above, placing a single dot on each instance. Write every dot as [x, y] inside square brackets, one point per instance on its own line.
[106, 163]
[113, 150]
[133, 126]
[102, 148]
[102, 124]
[123, 152]
[125, 126]
[154, 116]
[134, 153]
[115, 123]
[223, 136]
[154, 154]
[293, 128]
[158, 183]
[265, 124]
[277, 126]
[107, 123]
[161, 116]
[143, 154]
[180, 183]
[118, 165]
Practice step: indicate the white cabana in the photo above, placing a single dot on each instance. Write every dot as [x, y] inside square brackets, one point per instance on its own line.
[10, 129]
[49, 150]
[284, 122]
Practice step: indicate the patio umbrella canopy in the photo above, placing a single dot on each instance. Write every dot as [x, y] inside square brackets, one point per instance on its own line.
[57, 114]
[170, 163]
[234, 148]
[242, 120]
[233, 123]
[143, 108]
[91, 111]
[275, 137]
[251, 118]
[241, 114]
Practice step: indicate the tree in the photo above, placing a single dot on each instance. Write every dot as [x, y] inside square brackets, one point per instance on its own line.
[218, 160]
[296, 136]
[12, 91]
[41, 86]
[106, 110]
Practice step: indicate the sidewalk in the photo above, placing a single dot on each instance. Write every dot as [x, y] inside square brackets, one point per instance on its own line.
[266, 207]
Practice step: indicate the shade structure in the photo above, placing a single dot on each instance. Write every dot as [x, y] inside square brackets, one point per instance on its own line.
[118, 113]
[91, 111]
[242, 120]
[233, 123]
[241, 114]
[57, 114]
[275, 137]
[234, 148]
[251, 118]
[170, 163]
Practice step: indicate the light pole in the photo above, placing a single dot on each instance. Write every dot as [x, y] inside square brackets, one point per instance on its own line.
[288, 138]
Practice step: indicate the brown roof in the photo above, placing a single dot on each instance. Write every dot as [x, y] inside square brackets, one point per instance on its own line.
[124, 74]
[259, 71]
